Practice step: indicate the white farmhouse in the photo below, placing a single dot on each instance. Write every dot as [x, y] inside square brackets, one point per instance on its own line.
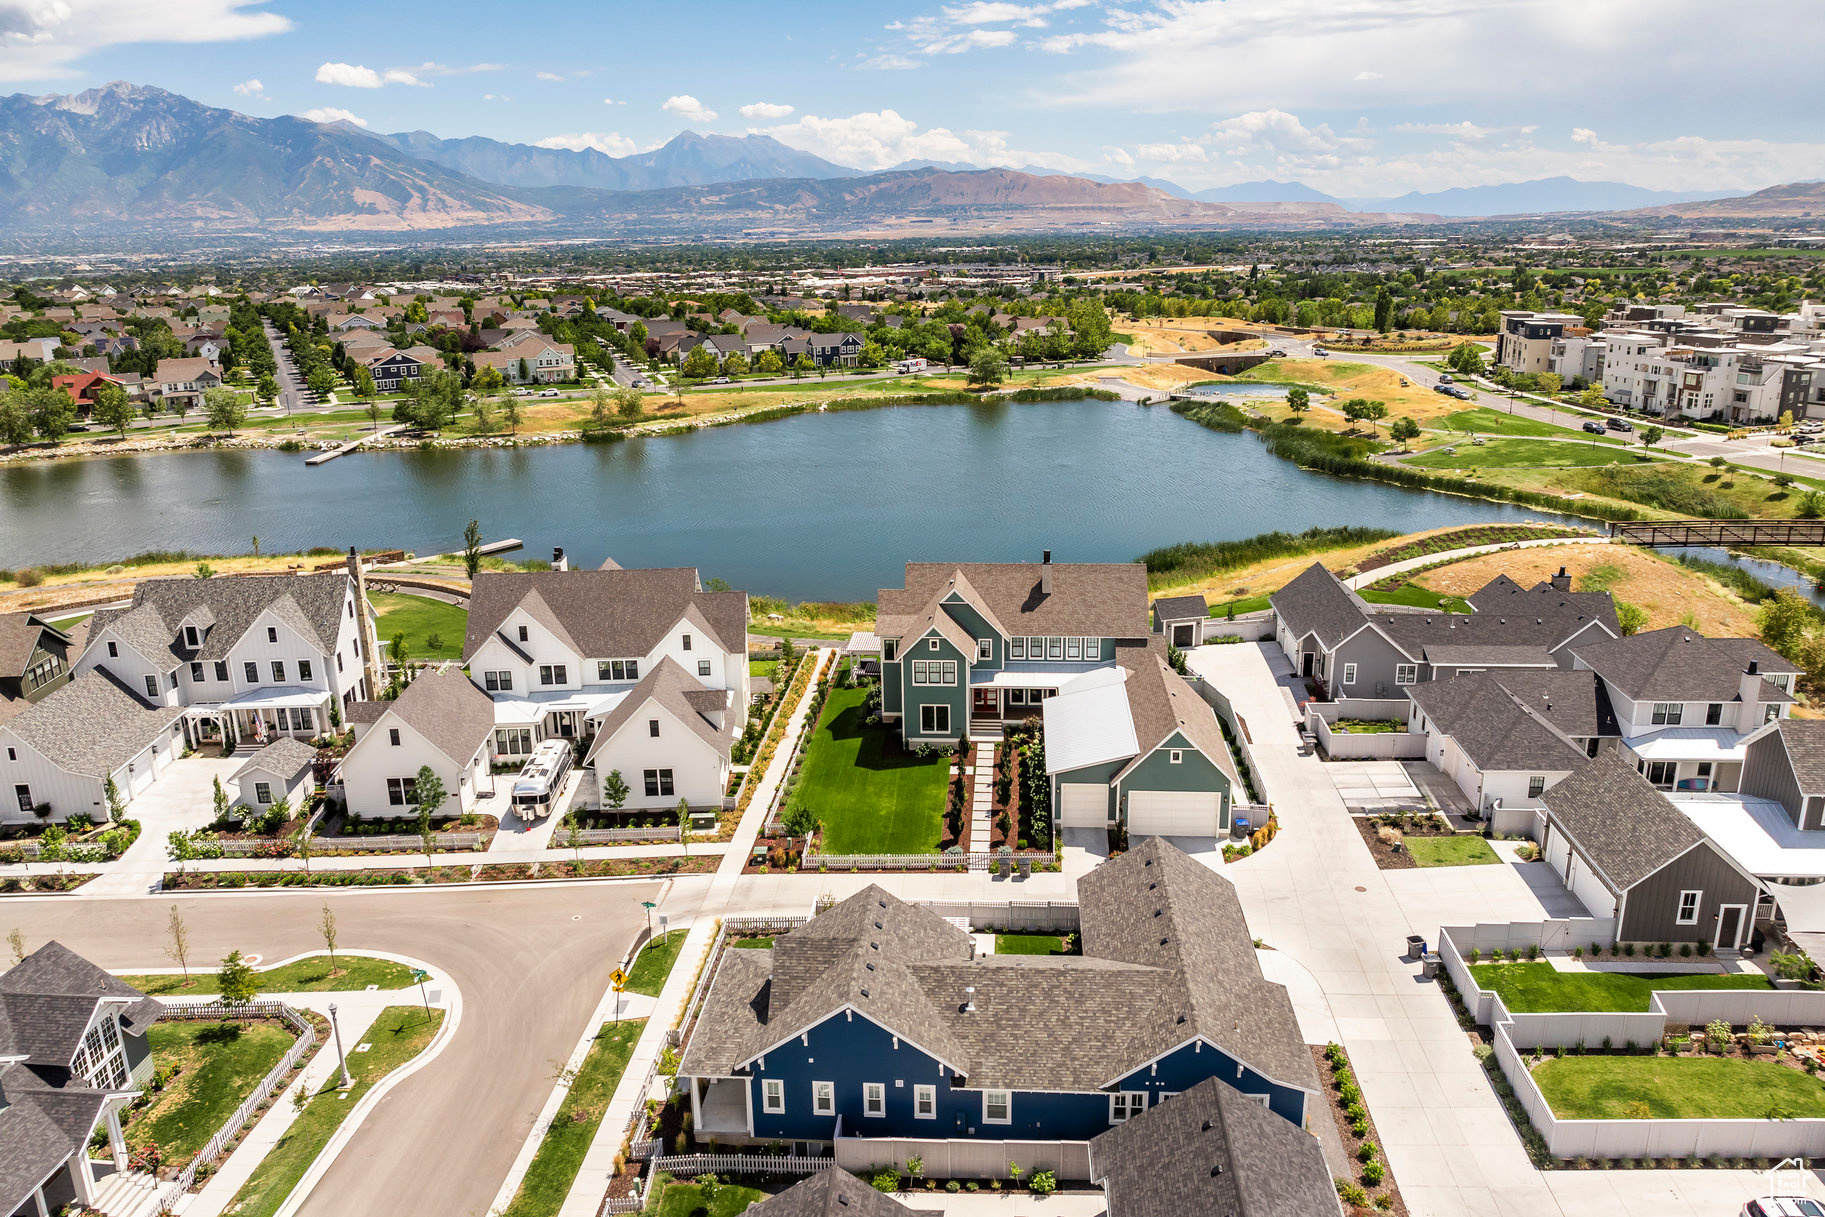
[669, 738]
[283, 771]
[57, 756]
[441, 721]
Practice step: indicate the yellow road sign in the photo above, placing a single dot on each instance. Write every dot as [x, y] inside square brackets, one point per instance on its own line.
[618, 980]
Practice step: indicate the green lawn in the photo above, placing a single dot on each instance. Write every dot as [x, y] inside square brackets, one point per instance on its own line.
[1537, 987]
[1677, 1088]
[420, 618]
[655, 964]
[310, 975]
[219, 1065]
[686, 1200]
[1451, 851]
[868, 802]
[560, 1153]
[64, 623]
[763, 667]
[1486, 421]
[1418, 597]
[1524, 453]
[1250, 604]
[754, 944]
[398, 1035]
[1030, 944]
[1369, 726]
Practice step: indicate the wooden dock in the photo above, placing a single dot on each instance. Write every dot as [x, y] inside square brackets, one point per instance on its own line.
[324, 458]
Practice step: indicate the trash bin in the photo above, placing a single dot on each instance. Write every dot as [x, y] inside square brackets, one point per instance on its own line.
[1429, 967]
[1416, 946]
[1240, 829]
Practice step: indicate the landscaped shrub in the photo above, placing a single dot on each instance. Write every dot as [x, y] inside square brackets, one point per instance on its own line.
[1374, 1173]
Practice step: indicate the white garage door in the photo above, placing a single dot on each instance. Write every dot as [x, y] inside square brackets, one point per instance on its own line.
[140, 773]
[1083, 805]
[1173, 813]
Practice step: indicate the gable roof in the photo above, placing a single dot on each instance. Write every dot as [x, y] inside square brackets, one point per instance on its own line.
[1162, 703]
[48, 999]
[1513, 631]
[1519, 719]
[447, 709]
[667, 684]
[1625, 828]
[1181, 608]
[93, 725]
[833, 1193]
[1090, 599]
[1317, 603]
[312, 605]
[1678, 664]
[19, 635]
[1211, 1150]
[1804, 740]
[605, 613]
[1503, 595]
[285, 757]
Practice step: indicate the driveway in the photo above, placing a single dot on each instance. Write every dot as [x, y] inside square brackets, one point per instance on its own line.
[183, 798]
[530, 964]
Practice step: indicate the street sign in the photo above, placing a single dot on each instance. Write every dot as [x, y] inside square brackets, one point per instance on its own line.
[618, 980]
[419, 974]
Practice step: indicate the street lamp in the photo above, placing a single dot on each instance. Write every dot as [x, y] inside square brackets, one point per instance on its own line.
[344, 1082]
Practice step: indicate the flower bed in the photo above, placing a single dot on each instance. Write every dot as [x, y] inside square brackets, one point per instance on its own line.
[1405, 830]
[22, 885]
[203, 881]
[1372, 1189]
[1465, 538]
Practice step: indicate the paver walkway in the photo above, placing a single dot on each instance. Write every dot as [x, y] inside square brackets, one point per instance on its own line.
[982, 796]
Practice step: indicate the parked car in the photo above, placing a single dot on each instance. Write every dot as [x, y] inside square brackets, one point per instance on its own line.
[1444, 378]
[549, 393]
[1784, 1206]
[1454, 391]
[1620, 424]
[1594, 427]
[720, 380]
[1441, 388]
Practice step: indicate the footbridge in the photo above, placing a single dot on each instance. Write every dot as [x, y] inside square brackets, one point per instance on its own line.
[1719, 534]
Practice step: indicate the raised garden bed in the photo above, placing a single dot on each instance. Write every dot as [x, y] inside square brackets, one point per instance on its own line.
[1538, 987]
[1424, 841]
[1371, 1187]
[597, 868]
[348, 829]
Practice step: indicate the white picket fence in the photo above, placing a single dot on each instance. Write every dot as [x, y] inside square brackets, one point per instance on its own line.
[692, 1165]
[976, 861]
[270, 1085]
[611, 836]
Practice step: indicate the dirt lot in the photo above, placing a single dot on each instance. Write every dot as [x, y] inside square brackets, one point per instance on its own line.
[1164, 376]
[1171, 336]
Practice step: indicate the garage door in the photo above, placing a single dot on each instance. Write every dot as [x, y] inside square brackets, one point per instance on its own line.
[139, 773]
[1173, 813]
[1083, 805]
[1182, 635]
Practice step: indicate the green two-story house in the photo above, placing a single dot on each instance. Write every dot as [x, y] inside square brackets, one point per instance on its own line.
[967, 649]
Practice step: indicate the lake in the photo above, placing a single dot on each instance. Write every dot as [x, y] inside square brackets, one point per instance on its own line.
[817, 506]
[1229, 390]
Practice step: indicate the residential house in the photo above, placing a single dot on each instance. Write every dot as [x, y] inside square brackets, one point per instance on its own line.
[73, 1056]
[81, 388]
[58, 755]
[42, 349]
[283, 771]
[186, 379]
[206, 345]
[1686, 704]
[833, 1193]
[35, 659]
[345, 323]
[831, 350]
[1354, 649]
[390, 368]
[1181, 619]
[1630, 855]
[441, 721]
[878, 1020]
[1507, 736]
[246, 657]
[644, 663]
[1525, 341]
[1207, 1151]
[531, 360]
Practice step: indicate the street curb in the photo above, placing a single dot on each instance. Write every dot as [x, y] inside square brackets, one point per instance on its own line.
[399, 888]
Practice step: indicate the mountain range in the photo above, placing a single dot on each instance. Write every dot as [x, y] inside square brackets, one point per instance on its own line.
[124, 156]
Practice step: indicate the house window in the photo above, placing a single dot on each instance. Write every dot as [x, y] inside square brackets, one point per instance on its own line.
[1536, 786]
[190, 637]
[152, 686]
[889, 648]
[523, 634]
[985, 648]
[918, 671]
[658, 783]
[652, 728]
[498, 682]
[935, 720]
[1074, 648]
[113, 650]
[196, 672]
[278, 671]
[617, 669]
[251, 670]
[687, 642]
[272, 634]
[221, 671]
[874, 1099]
[1770, 712]
[703, 667]
[1406, 673]
[1017, 697]
[1667, 713]
[338, 661]
[1714, 714]
[513, 741]
[304, 669]
[262, 793]
[1125, 1105]
[1349, 673]
[1175, 757]
[925, 1102]
[402, 792]
[1661, 774]
[823, 1098]
[931, 644]
[1688, 907]
[393, 736]
[1017, 648]
[773, 1096]
[1055, 648]
[545, 674]
[997, 1107]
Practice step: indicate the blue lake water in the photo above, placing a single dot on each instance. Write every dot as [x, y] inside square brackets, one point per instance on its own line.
[1235, 390]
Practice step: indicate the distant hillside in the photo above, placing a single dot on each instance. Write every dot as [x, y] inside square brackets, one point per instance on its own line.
[689, 159]
[1795, 199]
[1268, 191]
[1549, 194]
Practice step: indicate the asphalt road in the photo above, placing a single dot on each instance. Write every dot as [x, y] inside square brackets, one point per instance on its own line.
[531, 964]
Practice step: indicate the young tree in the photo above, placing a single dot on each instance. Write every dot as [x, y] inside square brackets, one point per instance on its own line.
[1375, 412]
[768, 363]
[488, 380]
[1631, 617]
[736, 364]
[472, 547]
[321, 382]
[237, 981]
[428, 789]
[326, 926]
[112, 409]
[219, 802]
[1384, 310]
[363, 381]
[301, 843]
[373, 413]
[1356, 410]
[224, 409]
[801, 365]
[267, 388]
[514, 413]
[601, 409]
[988, 368]
[614, 790]
[683, 815]
[629, 403]
[16, 940]
[1298, 399]
[178, 949]
[1651, 436]
[1403, 431]
[574, 838]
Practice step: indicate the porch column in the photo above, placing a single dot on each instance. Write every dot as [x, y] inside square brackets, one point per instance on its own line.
[82, 1175]
[696, 1114]
[117, 1141]
[44, 1210]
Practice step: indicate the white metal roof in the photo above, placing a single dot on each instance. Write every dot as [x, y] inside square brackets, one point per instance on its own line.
[1689, 744]
[273, 697]
[1035, 675]
[864, 643]
[529, 708]
[1757, 834]
[1088, 723]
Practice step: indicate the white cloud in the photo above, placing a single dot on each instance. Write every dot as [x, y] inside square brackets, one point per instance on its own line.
[611, 142]
[1463, 130]
[443, 69]
[547, 76]
[355, 76]
[688, 108]
[765, 109]
[42, 39]
[888, 63]
[961, 27]
[1271, 130]
[496, 97]
[1583, 135]
[609, 101]
[252, 88]
[332, 114]
[881, 139]
[1183, 152]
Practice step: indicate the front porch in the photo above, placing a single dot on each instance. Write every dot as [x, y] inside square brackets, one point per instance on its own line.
[521, 723]
[258, 716]
[719, 1107]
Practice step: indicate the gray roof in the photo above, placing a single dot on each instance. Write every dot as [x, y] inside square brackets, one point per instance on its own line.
[1624, 827]
[834, 1193]
[668, 684]
[1212, 1150]
[19, 635]
[1678, 664]
[1162, 703]
[1318, 603]
[1181, 608]
[1503, 595]
[1530, 625]
[1090, 599]
[1494, 655]
[365, 711]
[605, 613]
[93, 725]
[285, 758]
[1804, 740]
[227, 606]
[1518, 719]
[40, 1129]
[449, 711]
[47, 1000]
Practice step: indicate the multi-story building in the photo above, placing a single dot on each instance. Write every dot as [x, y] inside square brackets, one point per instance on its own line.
[1525, 343]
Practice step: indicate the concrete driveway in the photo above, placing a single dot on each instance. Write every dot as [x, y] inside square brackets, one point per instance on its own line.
[181, 799]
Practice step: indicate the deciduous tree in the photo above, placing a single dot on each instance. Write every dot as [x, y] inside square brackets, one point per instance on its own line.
[112, 409]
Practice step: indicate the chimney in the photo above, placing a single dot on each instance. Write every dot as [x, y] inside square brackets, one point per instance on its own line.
[1561, 582]
[1045, 574]
[1749, 693]
[364, 630]
[558, 561]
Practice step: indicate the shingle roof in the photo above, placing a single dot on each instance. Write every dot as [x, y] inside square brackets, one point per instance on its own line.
[607, 613]
[47, 1000]
[1678, 664]
[1318, 603]
[1529, 624]
[449, 711]
[1161, 702]
[19, 635]
[1625, 827]
[313, 605]
[1091, 599]
[1180, 608]
[285, 757]
[1212, 1151]
[833, 1193]
[680, 693]
[93, 725]
[1518, 719]
[1804, 739]
[36, 1134]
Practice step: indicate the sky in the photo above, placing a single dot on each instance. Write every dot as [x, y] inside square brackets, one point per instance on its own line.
[1357, 98]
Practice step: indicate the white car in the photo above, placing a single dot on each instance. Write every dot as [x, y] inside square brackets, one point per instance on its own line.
[1784, 1206]
[549, 393]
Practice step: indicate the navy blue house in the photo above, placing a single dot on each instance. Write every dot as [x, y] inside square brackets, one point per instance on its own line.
[878, 1019]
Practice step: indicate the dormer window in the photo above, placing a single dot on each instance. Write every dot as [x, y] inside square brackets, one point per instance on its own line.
[687, 642]
[191, 638]
[113, 650]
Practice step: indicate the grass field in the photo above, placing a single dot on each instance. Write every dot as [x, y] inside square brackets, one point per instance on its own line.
[1486, 421]
[1030, 944]
[687, 1200]
[655, 964]
[312, 975]
[219, 1064]
[1536, 987]
[398, 1035]
[421, 619]
[753, 944]
[1417, 597]
[867, 802]
[560, 1153]
[1677, 1088]
[1536, 453]
[1451, 851]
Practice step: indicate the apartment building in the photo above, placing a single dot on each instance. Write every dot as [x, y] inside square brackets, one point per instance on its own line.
[1525, 343]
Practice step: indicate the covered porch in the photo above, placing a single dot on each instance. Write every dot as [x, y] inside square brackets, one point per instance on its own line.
[719, 1107]
[520, 723]
[1691, 759]
[258, 716]
[1018, 691]
[80, 1179]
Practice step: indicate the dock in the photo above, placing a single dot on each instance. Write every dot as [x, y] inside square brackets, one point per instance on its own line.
[324, 458]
